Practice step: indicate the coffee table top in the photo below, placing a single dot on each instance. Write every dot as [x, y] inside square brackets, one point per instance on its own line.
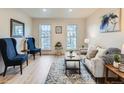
[72, 57]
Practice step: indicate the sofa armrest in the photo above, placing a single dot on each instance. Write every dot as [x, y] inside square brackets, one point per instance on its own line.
[98, 69]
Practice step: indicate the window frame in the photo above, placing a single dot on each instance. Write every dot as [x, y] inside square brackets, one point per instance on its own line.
[67, 36]
[40, 35]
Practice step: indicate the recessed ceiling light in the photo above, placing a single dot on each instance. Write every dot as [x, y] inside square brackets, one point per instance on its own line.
[70, 10]
[44, 10]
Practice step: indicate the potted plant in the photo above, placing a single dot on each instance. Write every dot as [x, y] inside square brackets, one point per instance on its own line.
[58, 45]
[71, 51]
[117, 60]
[82, 46]
[58, 48]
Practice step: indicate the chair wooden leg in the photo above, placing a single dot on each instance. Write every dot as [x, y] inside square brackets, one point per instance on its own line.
[5, 71]
[27, 62]
[34, 56]
[40, 53]
[21, 69]
[13, 66]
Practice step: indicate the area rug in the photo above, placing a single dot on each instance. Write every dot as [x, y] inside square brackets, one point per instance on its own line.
[57, 75]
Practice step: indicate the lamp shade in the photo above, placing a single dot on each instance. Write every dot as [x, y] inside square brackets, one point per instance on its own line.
[122, 50]
[86, 40]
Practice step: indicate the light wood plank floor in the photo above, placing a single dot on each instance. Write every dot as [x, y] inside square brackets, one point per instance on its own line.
[35, 73]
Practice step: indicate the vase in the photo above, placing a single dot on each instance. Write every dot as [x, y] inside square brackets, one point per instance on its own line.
[116, 64]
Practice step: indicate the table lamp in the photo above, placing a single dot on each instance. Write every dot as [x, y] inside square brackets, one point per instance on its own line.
[121, 66]
[122, 49]
[122, 53]
[86, 40]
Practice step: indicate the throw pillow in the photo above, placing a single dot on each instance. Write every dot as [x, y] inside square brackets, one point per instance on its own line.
[101, 52]
[91, 53]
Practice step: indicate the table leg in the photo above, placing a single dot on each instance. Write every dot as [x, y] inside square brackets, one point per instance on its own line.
[65, 67]
[106, 77]
[79, 68]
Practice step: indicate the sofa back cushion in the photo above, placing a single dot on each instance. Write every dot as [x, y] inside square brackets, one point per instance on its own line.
[113, 51]
[109, 57]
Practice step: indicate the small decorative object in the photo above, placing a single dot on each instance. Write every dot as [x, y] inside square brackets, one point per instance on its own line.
[58, 48]
[71, 51]
[86, 41]
[111, 22]
[117, 60]
[58, 45]
[82, 46]
[121, 67]
[58, 29]
[71, 54]
[17, 28]
[25, 44]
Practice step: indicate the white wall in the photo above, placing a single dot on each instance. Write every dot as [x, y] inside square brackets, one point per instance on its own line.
[113, 39]
[60, 37]
[5, 16]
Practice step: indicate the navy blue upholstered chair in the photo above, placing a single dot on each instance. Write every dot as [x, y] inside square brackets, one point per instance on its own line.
[10, 55]
[31, 47]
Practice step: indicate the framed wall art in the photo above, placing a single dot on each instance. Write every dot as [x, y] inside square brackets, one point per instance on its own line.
[110, 22]
[17, 28]
[58, 29]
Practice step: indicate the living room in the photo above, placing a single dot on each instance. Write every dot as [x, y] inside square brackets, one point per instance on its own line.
[85, 30]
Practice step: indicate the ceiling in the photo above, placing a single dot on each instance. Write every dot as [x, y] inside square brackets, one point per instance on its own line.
[58, 12]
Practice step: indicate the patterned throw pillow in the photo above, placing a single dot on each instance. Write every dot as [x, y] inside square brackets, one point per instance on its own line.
[91, 53]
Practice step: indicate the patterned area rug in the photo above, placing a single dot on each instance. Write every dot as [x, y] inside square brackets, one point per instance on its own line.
[57, 75]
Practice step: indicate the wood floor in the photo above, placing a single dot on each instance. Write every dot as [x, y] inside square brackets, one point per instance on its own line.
[35, 73]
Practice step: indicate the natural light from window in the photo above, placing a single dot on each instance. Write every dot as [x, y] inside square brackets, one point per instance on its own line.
[71, 36]
[45, 33]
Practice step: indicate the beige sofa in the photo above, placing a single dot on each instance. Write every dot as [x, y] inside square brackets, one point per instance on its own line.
[96, 65]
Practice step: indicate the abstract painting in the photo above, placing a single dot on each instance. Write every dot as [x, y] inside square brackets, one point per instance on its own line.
[110, 22]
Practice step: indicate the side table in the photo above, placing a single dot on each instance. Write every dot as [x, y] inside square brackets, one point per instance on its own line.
[58, 51]
[25, 51]
[109, 67]
[83, 51]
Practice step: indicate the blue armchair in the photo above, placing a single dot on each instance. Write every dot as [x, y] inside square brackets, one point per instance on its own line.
[31, 47]
[10, 55]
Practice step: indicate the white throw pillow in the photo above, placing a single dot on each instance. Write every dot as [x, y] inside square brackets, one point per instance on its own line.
[101, 52]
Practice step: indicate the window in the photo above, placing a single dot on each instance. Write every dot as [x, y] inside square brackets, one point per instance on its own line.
[71, 36]
[45, 31]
